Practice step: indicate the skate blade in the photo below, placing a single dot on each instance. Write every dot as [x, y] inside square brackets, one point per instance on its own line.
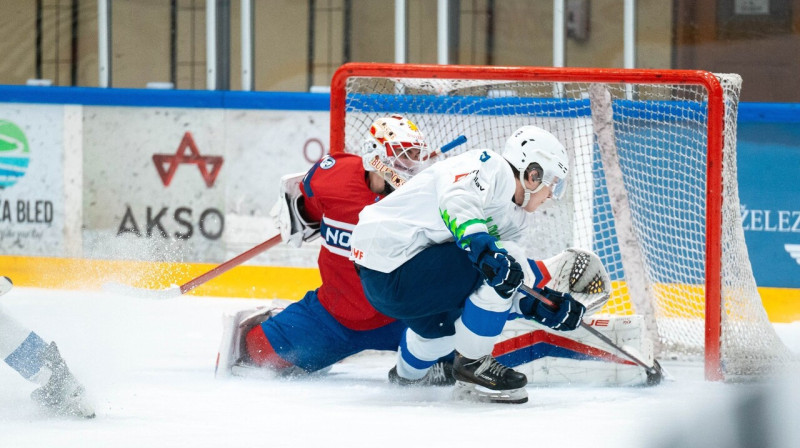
[80, 408]
[475, 393]
[77, 405]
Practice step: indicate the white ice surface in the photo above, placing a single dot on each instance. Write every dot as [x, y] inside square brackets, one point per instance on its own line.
[150, 367]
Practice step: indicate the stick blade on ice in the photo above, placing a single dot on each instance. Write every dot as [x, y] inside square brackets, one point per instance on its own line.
[132, 291]
[5, 285]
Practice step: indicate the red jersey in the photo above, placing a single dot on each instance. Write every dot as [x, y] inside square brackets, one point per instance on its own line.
[335, 190]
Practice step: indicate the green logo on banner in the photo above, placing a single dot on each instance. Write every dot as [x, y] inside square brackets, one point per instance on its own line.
[14, 154]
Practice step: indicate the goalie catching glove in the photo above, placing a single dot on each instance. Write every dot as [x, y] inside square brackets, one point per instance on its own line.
[500, 270]
[580, 273]
[577, 272]
[565, 314]
[287, 213]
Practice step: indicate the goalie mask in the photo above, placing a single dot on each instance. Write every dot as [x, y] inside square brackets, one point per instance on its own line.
[533, 150]
[396, 149]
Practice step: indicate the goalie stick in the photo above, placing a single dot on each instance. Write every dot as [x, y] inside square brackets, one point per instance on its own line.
[176, 291]
[5, 284]
[458, 141]
[655, 374]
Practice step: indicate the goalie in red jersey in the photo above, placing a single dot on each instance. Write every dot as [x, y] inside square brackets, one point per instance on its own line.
[335, 320]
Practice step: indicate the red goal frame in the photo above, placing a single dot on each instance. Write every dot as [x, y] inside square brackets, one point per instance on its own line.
[715, 142]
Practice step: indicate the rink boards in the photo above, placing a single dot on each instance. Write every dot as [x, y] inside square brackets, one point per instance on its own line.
[248, 281]
[181, 181]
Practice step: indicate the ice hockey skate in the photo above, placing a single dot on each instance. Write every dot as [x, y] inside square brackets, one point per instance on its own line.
[232, 358]
[486, 380]
[62, 394]
[440, 374]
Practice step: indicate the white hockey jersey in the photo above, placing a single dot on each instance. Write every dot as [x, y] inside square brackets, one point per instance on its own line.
[454, 198]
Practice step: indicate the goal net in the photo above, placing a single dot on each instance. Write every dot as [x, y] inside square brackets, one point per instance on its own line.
[652, 188]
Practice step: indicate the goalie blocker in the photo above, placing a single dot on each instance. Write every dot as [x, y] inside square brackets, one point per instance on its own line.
[287, 213]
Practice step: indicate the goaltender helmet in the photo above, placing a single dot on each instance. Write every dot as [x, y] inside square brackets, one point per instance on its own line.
[533, 150]
[396, 148]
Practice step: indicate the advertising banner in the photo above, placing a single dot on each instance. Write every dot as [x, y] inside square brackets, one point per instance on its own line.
[32, 177]
[194, 185]
[262, 146]
[769, 183]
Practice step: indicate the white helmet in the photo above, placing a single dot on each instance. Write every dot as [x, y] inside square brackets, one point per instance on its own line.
[396, 148]
[531, 148]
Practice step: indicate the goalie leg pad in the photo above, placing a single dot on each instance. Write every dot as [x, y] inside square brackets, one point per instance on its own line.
[552, 358]
[235, 328]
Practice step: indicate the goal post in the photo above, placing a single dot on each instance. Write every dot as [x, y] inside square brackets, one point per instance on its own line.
[652, 186]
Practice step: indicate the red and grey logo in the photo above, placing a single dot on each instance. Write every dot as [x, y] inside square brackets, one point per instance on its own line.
[187, 153]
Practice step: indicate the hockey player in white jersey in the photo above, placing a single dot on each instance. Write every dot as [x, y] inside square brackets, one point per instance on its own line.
[442, 255]
[41, 363]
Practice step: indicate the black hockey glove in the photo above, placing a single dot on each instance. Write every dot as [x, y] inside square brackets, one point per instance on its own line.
[565, 316]
[500, 270]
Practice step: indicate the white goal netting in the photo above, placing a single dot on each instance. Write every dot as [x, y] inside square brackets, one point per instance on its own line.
[639, 155]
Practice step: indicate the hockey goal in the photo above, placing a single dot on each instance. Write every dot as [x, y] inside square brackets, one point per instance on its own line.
[653, 187]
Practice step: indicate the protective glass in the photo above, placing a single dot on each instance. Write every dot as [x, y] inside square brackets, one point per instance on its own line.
[559, 187]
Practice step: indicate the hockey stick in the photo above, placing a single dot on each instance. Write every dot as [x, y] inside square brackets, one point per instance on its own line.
[458, 141]
[5, 284]
[654, 373]
[176, 291]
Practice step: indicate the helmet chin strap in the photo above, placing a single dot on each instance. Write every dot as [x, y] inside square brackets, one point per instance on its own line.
[528, 192]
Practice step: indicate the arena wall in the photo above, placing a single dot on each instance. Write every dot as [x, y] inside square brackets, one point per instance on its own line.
[152, 188]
